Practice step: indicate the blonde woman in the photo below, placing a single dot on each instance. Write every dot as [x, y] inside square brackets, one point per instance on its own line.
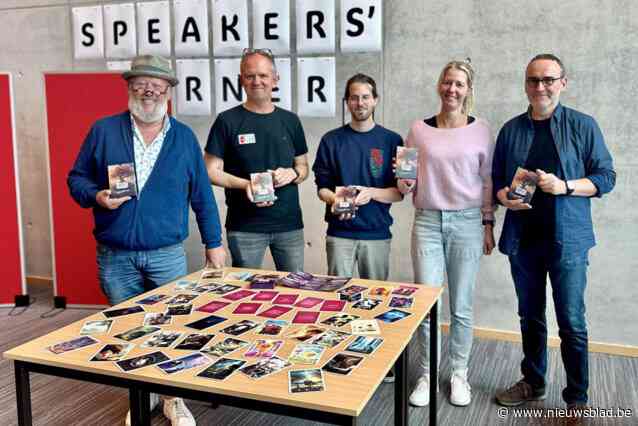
[453, 221]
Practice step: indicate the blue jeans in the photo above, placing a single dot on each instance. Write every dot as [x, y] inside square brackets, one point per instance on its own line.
[248, 248]
[128, 273]
[568, 276]
[372, 257]
[449, 241]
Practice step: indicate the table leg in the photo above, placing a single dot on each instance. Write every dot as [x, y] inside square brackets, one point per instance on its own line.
[23, 393]
[401, 389]
[434, 362]
[140, 407]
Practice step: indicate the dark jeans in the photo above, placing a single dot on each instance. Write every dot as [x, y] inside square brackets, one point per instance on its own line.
[568, 277]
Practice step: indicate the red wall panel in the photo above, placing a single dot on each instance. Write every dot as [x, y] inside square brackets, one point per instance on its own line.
[10, 234]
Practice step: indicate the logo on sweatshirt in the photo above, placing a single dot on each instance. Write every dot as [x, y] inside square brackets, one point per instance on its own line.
[376, 162]
[246, 139]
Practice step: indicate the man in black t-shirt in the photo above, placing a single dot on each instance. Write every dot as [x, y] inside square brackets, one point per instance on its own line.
[258, 137]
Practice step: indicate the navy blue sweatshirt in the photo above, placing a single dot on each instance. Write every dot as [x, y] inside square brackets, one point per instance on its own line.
[158, 216]
[347, 157]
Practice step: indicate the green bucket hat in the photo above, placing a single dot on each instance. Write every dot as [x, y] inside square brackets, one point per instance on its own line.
[151, 66]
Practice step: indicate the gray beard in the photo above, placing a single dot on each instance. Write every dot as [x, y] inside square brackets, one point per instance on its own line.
[154, 116]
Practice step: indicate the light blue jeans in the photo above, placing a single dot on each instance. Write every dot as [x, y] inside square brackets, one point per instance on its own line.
[248, 248]
[372, 257]
[448, 242]
[128, 273]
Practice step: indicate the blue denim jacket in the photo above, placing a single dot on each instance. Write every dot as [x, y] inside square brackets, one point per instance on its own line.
[582, 154]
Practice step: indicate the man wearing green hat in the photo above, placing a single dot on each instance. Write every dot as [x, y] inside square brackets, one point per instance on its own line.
[139, 171]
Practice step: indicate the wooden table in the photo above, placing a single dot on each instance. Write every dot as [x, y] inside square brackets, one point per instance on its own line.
[342, 402]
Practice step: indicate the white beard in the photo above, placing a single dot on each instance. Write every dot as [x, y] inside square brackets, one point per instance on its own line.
[137, 109]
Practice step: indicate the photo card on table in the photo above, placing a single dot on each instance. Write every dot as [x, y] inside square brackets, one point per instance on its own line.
[225, 347]
[194, 341]
[141, 361]
[221, 369]
[265, 367]
[71, 345]
[205, 322]
[183, 363]
[112, 352]
[310, 380]
[131, 310]
[137, 332]
[342, 363]
[96, 327]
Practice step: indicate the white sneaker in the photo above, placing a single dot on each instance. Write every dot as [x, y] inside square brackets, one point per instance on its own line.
[461, 393]
[154, 401]
[178, 413]
[420, 396]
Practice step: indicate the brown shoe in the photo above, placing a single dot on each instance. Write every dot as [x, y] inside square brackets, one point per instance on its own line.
[575, 414]
[519, 393]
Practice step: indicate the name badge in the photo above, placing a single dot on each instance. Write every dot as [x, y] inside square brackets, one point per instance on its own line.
[246, 139]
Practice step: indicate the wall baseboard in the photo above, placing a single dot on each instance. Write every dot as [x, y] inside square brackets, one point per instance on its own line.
[552, 341]
[39, 281]
[480, 332]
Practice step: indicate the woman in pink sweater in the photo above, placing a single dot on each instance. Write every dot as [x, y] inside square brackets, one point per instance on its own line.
[454, 217]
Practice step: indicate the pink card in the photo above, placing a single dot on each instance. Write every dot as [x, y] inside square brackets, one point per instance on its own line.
[285, 299]
[239, 294]
[405, 290]
[275, 311]
[305, 317]
[213, 306]
[333, 305]
[308, 302]
[247, 308]
[265, 295]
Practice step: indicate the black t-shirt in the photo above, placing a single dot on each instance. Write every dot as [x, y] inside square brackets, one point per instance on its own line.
[250, 143]
[432, 121]
[539, 222]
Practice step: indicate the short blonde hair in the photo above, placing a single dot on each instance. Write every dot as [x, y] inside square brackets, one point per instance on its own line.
[466, 67]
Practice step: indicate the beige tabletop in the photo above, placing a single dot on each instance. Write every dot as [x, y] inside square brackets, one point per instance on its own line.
[346, 395]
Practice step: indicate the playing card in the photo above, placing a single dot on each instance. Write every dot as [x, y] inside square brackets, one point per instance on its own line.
[247, 308]
[285, 299]
[306, 381]
[275, 311]
[225, 347]
[205, 322]
[240, 328]
[264, 296]
[264, 348]
[141, 361]
[333, 305]
[221, 369]
[123, 311]
[305, 317]
[183, 363]
[213, 306]
[342, 363]
[238, 295]
[308, 302]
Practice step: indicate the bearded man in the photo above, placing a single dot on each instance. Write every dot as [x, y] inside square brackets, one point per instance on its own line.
[359, 155]
[141, 222]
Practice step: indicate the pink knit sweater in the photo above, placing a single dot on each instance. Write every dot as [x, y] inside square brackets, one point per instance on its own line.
[455, 167]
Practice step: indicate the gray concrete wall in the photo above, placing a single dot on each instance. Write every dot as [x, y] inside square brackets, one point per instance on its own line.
[598, 40]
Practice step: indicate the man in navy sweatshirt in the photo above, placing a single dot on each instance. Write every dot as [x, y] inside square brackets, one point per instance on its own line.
[358, 154]
[141, 217]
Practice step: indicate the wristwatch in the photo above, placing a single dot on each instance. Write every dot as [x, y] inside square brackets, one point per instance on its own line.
[568, 190]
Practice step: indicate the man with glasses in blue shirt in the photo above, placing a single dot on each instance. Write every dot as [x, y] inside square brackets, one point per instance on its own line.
[259, 137]
[140, 235]
[553, 233]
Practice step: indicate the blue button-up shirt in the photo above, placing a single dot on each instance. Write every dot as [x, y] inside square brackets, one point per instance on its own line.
[582, 154]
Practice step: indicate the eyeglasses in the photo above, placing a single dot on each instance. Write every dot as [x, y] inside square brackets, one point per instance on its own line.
[547, 81]
[250, 51]
[157, 89]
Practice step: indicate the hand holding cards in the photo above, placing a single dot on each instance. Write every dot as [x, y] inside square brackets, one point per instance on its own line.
[523, 186]
[262, 187]
[122, 180]
[407, 163]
